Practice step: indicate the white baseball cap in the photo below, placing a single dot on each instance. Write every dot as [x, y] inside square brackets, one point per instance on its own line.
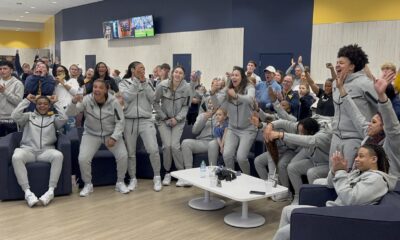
[270, 69]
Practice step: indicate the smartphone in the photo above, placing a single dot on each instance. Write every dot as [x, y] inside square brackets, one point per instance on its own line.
[151, 76]
[257, 192]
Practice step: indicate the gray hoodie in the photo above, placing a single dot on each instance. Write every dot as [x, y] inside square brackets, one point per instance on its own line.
[360, 188]
[11, 97]
[391, 127]
[239, 110]
[173, 104]
[138, 97]
[204, 127]
[360, 88]
[317, 146]
[39, 130]
[101, 121]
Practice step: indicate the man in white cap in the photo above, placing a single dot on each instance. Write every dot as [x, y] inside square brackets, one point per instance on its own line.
[262, 96]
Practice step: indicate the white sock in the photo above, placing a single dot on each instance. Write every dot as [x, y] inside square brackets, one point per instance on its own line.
[51, 189]
[28, 191]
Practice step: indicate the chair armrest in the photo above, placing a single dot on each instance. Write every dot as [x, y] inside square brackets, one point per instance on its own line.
[7, 146]
[345, 223]
[316, 195]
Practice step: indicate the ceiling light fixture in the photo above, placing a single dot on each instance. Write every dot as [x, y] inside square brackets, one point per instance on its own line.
[27, 12]
[33, 7]
[54, 2]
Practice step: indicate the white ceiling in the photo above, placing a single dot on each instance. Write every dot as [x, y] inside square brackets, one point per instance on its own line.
[29, 15]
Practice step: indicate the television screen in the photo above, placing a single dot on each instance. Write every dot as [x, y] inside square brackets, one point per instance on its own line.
[144, 26]
[137, 27]
[110, 30]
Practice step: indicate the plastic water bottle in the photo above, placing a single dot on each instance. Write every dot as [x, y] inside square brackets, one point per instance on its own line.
[203, 169]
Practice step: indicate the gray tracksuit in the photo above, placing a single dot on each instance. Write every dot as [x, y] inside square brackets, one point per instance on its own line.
[204, 142]
[241, 133]
[345, 137]
[391, 127]
[313, 159]
[138, 97]
[37, 142]
[354, 188]
[171, 104]
[102, 122]
[11, 97]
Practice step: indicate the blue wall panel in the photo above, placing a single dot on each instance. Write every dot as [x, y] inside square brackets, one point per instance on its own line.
[270, 26]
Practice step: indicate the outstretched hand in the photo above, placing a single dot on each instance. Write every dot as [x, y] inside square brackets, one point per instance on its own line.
[383, 81]
[255, 119]
[338, 162]
[272, 94]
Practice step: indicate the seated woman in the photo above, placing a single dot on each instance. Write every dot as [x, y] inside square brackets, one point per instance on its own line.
[104, 125]
[365, 185]
[37, 143]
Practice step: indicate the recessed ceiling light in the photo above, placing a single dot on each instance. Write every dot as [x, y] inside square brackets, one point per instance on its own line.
[54, 2]
[27, 12]
[17, 19]
[33, 7]
[21, 16]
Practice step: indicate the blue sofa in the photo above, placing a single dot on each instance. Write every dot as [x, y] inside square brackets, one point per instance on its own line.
[38, 172]
[381, 221]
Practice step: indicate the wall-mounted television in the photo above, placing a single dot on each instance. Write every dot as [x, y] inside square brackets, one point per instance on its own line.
[136, 27]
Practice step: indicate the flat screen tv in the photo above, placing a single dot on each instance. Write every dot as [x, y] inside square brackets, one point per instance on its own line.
[137, 27]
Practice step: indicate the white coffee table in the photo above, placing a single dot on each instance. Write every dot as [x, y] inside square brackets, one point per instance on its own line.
[238, 190]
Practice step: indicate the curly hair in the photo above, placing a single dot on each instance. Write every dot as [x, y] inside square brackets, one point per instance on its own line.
[356, 56]
[310, 126]
[377, 150]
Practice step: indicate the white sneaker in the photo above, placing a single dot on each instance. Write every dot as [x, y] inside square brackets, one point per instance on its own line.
[295, 200]
[31, 199]
[132, 184]
[282, 197]
[47, 197]
[86, 190]
[121, 187]
[167, 180]
[180, 183]
[157, 183]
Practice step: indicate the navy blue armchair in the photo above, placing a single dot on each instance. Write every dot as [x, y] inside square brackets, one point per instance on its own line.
[38, 172]
[380, 221]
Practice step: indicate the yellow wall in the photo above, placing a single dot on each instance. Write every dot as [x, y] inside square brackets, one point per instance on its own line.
[14, 39]
[332, 11]
[47, 36]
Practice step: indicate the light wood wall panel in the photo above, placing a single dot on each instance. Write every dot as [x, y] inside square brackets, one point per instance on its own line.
[379, 39]
[213, 51]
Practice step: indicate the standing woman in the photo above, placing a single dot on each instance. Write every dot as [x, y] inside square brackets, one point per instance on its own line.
[101, 72]
[138, 95]
[238, 102]
[174, 95]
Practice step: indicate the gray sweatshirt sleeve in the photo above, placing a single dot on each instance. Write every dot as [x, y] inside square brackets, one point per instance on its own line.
[218, 99]
[61, 118]
[391, 124]
[200, 123]
[128, 92]
[369, 189]
[181, 116]
[358, 118]
[75, 109]
[119, 121]
[329, 180]
[18, 114]
[287, 126]
[305, 140]
[15, 97]
[282, 114]
[249, 97]
[156, 103]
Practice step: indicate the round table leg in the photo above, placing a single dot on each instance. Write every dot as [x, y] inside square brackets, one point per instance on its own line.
[206, 203]
[244, 219]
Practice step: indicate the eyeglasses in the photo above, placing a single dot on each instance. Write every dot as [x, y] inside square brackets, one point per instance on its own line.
[60, 71]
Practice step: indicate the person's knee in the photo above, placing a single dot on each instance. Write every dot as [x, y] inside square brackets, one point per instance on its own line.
[291, 168]
[57, 156]
[17, 158]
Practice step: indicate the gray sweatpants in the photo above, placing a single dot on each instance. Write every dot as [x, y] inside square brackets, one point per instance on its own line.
[193, 146]
[23, 156]
[171, 138]
[262, 161]
[305, 167]
[348, 147]
[283, 232]
[238, 142]
[146, 130]
[89, 146]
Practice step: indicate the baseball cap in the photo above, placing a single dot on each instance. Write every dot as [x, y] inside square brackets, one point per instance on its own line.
[270, 69]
